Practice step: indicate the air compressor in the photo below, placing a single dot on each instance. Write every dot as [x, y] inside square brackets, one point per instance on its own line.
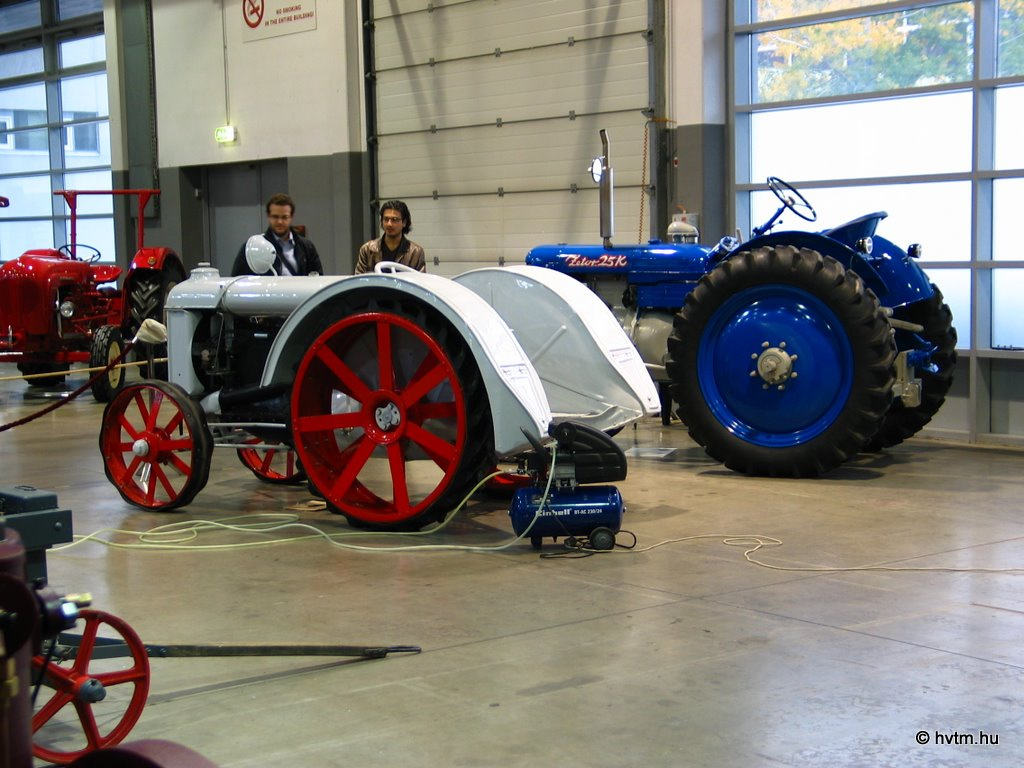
[560, 502]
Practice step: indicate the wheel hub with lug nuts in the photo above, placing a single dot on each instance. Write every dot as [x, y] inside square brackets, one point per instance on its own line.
[387, 416]
[774, 365]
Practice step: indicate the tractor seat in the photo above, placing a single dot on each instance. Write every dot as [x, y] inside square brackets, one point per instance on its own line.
[105, 273]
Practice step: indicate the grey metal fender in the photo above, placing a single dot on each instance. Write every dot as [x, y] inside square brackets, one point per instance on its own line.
[514, 391]
[591, 371]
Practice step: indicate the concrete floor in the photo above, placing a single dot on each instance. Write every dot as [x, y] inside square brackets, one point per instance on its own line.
[884, 630]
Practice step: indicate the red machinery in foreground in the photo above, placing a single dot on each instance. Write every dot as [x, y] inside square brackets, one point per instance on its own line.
[59, 306]
[72, 699]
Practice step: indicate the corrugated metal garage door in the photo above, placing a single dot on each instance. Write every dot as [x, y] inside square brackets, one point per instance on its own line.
[487, 117]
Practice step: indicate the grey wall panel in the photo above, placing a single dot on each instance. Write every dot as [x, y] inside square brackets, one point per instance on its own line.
[553, 154]
[595, 76]
[487, 115]
[409, 34]
[465, 232]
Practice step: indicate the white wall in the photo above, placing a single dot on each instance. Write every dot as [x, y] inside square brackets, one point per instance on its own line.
[291, 95]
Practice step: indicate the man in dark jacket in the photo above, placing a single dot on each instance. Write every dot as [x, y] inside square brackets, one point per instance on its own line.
[296, 255]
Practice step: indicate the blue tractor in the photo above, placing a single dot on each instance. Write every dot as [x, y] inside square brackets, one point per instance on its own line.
[784, 355]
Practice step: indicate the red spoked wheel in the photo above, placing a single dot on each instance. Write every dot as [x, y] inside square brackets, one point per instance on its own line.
[390, 417]
[271, 464]
[156, 446]
[106, 696]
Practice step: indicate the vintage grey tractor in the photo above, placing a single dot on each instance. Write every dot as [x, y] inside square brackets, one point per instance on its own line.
[788, 353]
[393, 393]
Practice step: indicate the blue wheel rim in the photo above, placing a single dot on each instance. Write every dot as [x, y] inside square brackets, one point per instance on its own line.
[809, 403]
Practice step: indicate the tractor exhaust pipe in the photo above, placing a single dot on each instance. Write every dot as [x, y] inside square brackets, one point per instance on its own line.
[606, 190]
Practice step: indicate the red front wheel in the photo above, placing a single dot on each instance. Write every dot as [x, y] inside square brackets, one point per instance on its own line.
[99, 699]
[389, 416]
[156, 446]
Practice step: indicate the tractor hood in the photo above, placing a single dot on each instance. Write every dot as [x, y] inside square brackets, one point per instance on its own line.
[662, 273]
[27, 286]
[677, 259]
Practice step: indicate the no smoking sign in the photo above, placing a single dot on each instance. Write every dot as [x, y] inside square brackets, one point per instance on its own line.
[252, 11]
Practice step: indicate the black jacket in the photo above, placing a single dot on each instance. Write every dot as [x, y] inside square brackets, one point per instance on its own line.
[305, 254]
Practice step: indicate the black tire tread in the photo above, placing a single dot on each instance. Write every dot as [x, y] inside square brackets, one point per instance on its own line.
[106, 386]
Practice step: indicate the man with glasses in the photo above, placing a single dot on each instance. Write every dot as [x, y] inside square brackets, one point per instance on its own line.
[393, 245]
[296, 255]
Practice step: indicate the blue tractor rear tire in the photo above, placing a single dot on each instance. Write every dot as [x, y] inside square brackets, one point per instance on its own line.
[782, 362]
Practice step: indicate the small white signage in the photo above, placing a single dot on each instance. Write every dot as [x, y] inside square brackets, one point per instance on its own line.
[270, 18]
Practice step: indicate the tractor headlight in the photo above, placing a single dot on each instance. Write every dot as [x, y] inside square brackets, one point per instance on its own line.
[914, 251]
[865, 245]
[67, 309]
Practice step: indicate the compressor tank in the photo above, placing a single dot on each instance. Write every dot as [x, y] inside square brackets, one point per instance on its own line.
[566, 512]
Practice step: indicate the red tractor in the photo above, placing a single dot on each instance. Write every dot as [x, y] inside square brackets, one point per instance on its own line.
[60, 306]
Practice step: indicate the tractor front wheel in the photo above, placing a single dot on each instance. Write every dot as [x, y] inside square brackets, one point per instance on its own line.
[781, 362]
[107, 346]
[156, 446]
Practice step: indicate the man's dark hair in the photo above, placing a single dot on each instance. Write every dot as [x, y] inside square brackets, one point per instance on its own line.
[402, 208]
[281, 199]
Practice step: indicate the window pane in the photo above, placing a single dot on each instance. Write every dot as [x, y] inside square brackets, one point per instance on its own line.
[955, 285]
[16, 237]
[1007, 195]
[911, 209]
[22, 151]
[87, 144]
[1007, 319]
[1011, 38]
[29, 196]
[892, 137]
[766, 10]
[874, 53]
[69, 9]
[94, 180]
[20, 16]
[99, 233]
[18, 63]
[1009, 150]
[25, 103]
[85, 96]
[86, 50]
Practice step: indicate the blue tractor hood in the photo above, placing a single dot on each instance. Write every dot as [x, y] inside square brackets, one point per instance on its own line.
[663, 273]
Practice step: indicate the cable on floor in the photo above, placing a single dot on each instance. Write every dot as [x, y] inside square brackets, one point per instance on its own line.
[175, 536]
[757, 542]
[580, 546]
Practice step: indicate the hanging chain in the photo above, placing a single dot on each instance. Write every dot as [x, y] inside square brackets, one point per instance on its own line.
[643, 186]
[643, 173]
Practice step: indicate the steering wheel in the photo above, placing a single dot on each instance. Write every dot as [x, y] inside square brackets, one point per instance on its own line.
[70, 251]
[792, 199]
